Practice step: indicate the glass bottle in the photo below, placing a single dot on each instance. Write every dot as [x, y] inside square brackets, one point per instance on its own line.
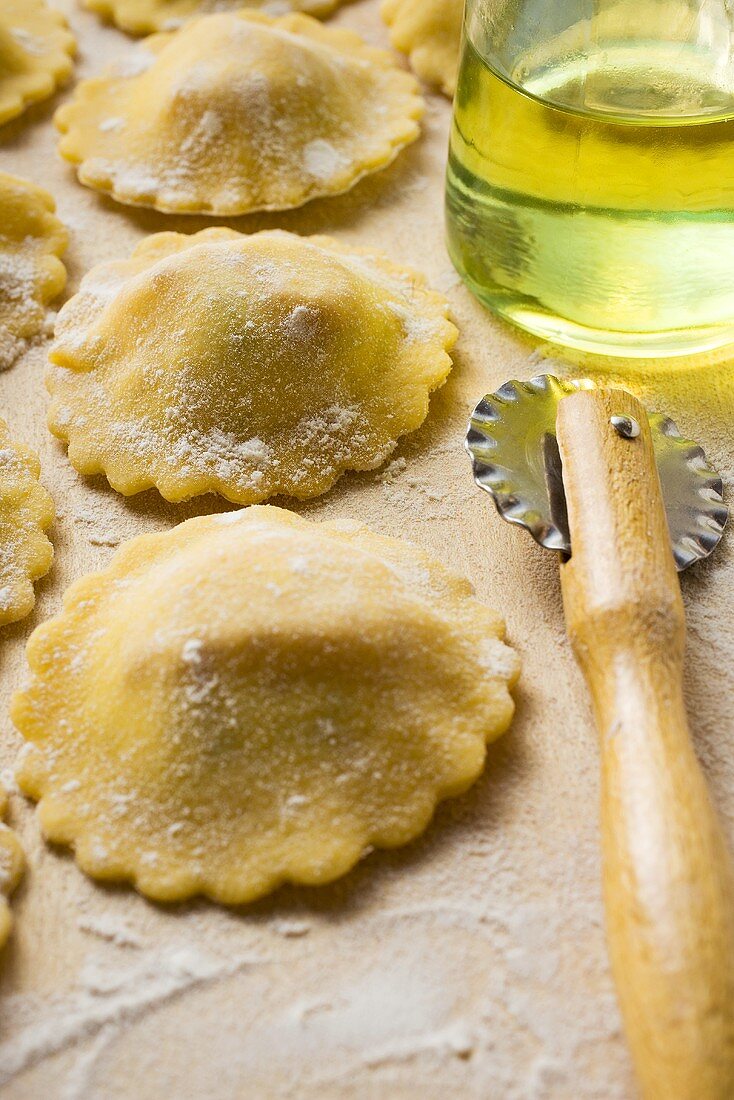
[590, 193]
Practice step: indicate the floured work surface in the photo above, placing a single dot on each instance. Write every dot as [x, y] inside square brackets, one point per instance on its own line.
[471, 963]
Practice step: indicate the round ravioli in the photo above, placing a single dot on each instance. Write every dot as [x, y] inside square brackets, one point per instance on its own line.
[243, 365]
[239, 112]
[253, 698]
[429, 31]
[26, 511]
[147, 16]
[35, 54]
[31, 240]
[12, 863]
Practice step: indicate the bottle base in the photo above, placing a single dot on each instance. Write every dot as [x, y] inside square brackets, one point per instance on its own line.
[553, 329]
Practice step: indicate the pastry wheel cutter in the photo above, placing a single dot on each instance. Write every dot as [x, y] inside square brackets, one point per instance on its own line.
[627, 502]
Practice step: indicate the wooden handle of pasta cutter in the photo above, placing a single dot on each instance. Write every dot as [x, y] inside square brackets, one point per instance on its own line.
[668, 881]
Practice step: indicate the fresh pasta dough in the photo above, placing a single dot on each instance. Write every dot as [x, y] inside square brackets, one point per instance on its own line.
[244, 365]
[36, 52]
[31, 274]
[252, 698]
[239, 112]
[147, 16]
[429, 31]
[12, 862]
[26, 512]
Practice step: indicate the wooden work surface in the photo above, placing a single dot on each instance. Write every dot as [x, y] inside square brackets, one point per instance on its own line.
[472, 963]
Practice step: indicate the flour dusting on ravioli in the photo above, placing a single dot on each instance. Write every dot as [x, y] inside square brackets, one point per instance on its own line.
[253, 698]
[244, 365]
[239, 112]
[31, 274]
[26, 512]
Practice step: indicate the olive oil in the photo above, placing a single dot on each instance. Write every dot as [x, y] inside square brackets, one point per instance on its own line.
[590, 194]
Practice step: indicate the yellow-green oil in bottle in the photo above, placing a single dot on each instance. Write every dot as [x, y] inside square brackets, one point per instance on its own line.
[590, 194]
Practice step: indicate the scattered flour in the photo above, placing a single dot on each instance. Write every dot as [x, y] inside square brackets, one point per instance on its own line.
[97, 533]
[38, 47]
[455, 1039]
[321, 160]
[138, 61]
[225, 518]
[111, 928]
[291, 929]
[112, 123]
[78, 1080]
[7, 780]
[106, 998]
[104, 539]
[20, 312]
[392, 471]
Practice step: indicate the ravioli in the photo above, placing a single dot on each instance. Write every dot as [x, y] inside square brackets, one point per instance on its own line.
[36, 53]
[239, 112]
[252, 698]
[12, 863]
[26, 511]
[31, 274]
[243, 365]
[429, 31]
[146, 16]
